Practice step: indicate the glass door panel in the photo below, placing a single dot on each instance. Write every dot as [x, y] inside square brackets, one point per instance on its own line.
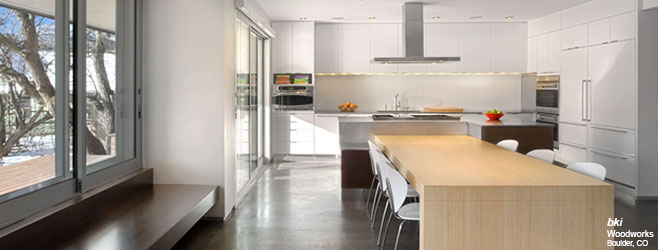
[242, 162]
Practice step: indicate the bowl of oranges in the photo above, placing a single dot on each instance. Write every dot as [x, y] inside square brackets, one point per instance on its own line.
[348, 107]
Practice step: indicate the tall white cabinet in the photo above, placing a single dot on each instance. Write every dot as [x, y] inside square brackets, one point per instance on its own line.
[597, 60]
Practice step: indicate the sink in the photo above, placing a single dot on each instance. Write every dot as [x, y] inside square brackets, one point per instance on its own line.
[398, 112]
[404, 116]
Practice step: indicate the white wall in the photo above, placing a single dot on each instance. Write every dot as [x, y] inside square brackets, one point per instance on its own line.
[371, 93]
[188, 94]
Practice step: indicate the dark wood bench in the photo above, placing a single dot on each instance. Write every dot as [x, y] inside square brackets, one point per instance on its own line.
[131, 214]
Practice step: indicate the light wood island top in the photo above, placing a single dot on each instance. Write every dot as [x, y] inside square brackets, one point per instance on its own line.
[461, 160]
[476, 195]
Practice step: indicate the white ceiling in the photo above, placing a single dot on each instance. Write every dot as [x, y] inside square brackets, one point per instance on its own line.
[391, 10]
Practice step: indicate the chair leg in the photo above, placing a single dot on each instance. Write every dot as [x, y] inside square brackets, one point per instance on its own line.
[374, 201]
[398, 237]
[381, 226]
[374, 216]
[372, 183]
[388, 224]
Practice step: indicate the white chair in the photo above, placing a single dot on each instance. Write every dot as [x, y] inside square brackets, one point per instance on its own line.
[509, 144]
[546, 155]
[375, 175]
[396, 188]
[590, 169]
[384, 167]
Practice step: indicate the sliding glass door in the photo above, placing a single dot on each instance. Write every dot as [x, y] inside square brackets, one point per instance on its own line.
[69, 97]
[249, 128]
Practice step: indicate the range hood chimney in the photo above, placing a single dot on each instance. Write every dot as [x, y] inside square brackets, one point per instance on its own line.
[412, 29]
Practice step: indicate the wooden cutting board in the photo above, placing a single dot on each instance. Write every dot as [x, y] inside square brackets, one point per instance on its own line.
[443, 110]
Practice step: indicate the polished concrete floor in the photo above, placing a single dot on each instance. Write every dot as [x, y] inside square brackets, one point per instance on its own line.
[298, 204]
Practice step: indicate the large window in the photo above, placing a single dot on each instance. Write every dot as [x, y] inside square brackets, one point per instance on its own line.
[68, 98]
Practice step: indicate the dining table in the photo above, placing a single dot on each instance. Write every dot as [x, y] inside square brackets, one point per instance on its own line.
[476, 195]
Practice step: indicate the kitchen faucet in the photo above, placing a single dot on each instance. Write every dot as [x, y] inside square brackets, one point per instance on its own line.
[396, 103]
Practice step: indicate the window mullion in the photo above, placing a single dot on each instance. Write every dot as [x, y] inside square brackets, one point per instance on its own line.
[80, 91]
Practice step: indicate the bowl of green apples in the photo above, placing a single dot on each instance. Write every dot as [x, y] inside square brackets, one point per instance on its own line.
[494, 115]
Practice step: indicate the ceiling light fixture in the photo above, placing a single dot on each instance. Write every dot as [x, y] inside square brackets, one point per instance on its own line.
[436, 17]
[303, 18]
[372, 18]
[475, 17]
[509, 17]
[337, 18]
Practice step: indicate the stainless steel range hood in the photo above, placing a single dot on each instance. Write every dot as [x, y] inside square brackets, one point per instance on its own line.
[412, 29]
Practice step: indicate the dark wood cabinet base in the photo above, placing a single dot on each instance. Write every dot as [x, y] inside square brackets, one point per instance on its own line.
[356, 171]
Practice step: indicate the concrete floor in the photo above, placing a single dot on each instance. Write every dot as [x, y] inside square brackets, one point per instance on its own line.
[298, 204]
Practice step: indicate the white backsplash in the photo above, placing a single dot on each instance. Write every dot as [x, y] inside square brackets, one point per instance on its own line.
[371, 93]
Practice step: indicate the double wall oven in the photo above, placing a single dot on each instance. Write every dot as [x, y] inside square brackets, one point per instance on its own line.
[548, 98]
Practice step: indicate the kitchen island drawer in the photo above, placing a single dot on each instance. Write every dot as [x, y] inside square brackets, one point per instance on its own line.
[620, 168]
[620, 141]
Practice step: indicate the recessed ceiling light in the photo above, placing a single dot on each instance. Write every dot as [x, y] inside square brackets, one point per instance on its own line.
[372, 18]
[509, 17]
[475, 17]
[303, 18]
[436, 17]
[337, 18]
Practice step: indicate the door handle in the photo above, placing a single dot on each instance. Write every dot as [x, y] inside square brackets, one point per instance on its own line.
[610, 155]
[583, 97]
[589, 100]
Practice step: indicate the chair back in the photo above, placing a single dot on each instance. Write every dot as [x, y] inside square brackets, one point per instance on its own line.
[373, 148]
[509, 144]
[396, 187]
[590, 169]
[380, 167]
[546, 155]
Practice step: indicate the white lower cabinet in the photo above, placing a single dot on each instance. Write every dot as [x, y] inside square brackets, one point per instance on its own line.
[570, 153]
[326, 135]
[292, 133]
[621, 141]
[620, 168]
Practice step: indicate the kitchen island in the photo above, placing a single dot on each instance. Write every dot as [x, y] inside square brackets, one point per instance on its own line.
[356, 130]
[475, 195]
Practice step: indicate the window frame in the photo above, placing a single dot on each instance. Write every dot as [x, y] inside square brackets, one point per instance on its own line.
[17, 205]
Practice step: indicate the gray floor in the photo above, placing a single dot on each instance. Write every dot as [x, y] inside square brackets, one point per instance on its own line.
[298, 204]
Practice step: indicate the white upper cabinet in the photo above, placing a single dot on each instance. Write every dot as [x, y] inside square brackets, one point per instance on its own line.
[622, 27]
[475, 47]
[508, 47]
[328, 44]
[303, 50]
[293, 48]
[356, 48]
[612, 70]
[599, 32]
[542, 54]
[574, 37]
[384, 43]
[572, 80]
[442, 40]
[532, 56]
[554, 52]
[282, 47]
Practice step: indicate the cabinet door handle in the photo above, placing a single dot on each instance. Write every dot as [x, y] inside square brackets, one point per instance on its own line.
[583, 97]
[610, 155]
[589, 100]
[573, 145]
[611, 129]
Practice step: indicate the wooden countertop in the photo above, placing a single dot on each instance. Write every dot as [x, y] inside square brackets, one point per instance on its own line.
[460, 160]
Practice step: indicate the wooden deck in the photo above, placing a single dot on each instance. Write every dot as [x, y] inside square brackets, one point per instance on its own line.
[24, 174]
[19, 175]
